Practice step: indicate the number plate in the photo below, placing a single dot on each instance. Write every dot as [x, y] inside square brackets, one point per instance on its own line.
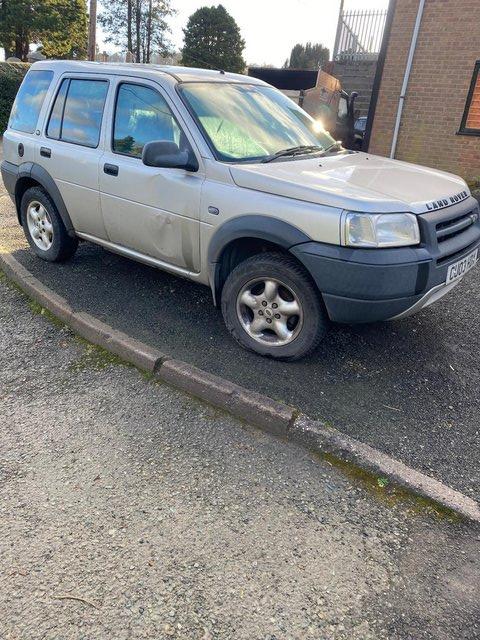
[460, 268]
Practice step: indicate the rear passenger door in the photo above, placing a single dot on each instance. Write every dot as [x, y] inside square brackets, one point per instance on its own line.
[150, 210]
[72, 146]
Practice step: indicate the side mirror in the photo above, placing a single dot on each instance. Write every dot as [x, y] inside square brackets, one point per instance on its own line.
[166, 154]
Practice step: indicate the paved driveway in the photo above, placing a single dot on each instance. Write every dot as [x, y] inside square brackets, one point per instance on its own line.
[410, 388]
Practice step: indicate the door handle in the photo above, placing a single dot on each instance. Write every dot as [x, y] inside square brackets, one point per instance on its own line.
[45, 152]
[110, 169]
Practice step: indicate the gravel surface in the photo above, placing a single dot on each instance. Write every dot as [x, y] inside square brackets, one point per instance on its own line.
[130, 510]
[409, 388]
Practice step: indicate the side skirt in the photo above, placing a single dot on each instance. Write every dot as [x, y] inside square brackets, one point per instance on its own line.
[140, 257]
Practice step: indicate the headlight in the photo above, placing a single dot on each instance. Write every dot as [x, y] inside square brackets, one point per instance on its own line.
[381, 230]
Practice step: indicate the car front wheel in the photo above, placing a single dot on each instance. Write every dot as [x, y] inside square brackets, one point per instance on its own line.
[271, 306]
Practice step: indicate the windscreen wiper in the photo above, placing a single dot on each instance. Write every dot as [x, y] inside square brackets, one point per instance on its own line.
[294, 151]
[337, 144]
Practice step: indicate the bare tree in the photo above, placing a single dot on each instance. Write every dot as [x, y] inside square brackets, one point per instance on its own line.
[138, 26]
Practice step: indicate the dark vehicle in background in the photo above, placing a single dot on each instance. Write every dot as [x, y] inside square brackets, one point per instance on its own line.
[320, 95]
[359, 132]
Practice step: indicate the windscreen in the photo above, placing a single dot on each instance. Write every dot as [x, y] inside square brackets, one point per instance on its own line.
[245, 122]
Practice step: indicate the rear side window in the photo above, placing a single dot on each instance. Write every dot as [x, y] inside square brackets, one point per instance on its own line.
[29, 101]
[55, 122]
[77, 111]
[141, 116]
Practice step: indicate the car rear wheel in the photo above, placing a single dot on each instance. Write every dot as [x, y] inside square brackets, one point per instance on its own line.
[44, 228]
[271, 306]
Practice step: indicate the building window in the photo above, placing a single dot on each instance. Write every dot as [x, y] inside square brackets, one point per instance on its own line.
[471, 116]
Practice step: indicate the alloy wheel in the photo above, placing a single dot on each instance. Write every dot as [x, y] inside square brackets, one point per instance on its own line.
[270, 311]
[40, 225]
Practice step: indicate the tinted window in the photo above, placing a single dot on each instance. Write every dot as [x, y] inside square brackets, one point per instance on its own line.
[141, 115]
[77, 113]
[29, 100]
[55, 122]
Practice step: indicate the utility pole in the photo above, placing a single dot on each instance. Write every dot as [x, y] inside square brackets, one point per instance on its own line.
[129, 31]
[138, 22]
[149, 31]
[339, 31]
[92, 30]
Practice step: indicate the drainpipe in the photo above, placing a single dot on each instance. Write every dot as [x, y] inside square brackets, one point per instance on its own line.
[406, 77]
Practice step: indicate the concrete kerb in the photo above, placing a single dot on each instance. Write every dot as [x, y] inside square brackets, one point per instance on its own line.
[85, 325]
[257, 409]
[270, 415]
[320, 438]
[54, 303]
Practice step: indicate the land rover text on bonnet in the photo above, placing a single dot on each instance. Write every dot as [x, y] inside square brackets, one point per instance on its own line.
[222, 179]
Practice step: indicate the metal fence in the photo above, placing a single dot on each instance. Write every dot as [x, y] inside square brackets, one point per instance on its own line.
[359, 34]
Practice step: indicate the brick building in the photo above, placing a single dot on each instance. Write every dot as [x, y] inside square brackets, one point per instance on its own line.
[440, 121]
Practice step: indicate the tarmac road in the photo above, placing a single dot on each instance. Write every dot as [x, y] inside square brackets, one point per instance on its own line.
[409, 388]
[129, 510]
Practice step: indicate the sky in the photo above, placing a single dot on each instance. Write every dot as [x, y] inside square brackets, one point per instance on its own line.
[271, 28]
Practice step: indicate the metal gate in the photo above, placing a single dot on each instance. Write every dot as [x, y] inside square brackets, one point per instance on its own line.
[359, 34]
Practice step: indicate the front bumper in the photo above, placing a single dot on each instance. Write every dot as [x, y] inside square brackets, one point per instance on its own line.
[368, 285]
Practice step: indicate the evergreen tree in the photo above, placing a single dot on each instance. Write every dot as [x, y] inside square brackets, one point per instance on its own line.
[63, 29]
[59, 26]
[212, 40]
[16, 29]
[308, 56]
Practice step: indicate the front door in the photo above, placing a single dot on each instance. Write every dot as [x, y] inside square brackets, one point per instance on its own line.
[152, 211]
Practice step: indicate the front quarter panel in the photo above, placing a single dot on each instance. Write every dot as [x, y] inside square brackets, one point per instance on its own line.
[312, 221]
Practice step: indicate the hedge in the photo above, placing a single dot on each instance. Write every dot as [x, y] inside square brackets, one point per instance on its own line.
[11, 76]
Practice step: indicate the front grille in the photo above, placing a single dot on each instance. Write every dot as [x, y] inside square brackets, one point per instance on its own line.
[451, 232]
[455, 226]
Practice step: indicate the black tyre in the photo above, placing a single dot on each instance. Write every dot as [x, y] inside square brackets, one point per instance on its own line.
[271, 306]
[44, 228]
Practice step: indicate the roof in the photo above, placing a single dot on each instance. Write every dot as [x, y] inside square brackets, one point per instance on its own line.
[181, 74]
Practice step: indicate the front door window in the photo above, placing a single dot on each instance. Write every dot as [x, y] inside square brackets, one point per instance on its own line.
[141, 116]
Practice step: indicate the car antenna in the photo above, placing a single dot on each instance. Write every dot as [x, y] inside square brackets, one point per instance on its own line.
[208, 65]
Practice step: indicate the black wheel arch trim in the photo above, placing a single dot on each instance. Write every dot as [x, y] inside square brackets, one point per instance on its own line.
[40, 174]
[260, 227]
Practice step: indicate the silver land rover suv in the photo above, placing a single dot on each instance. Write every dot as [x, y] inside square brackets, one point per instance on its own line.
[222, 179]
